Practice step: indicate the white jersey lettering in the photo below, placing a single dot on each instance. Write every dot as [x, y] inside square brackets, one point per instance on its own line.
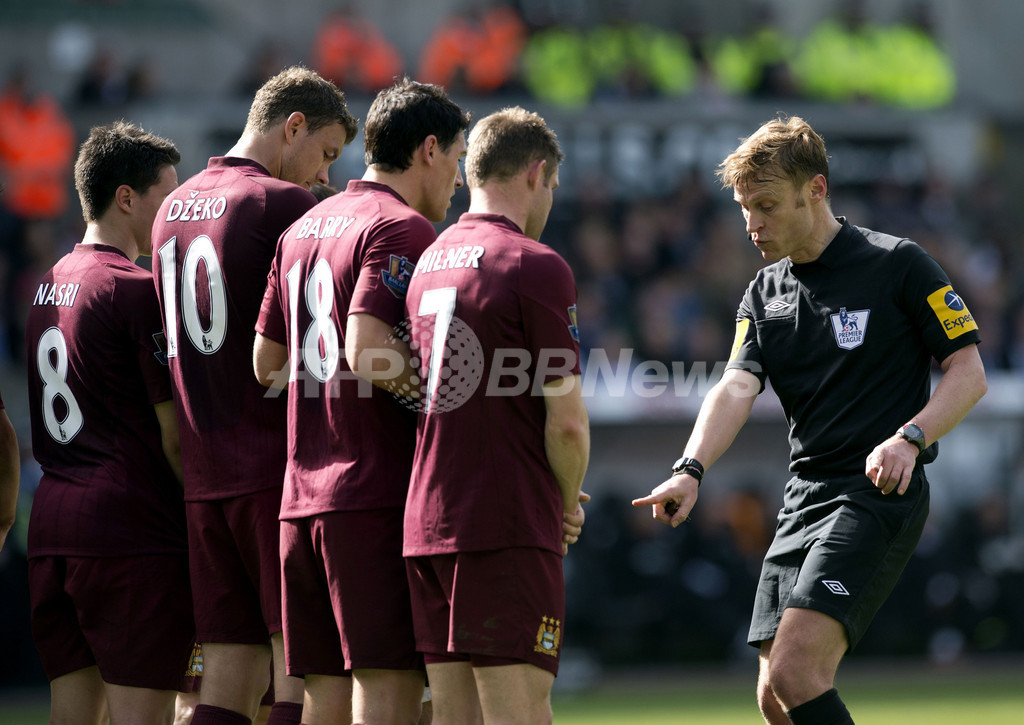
[455, 258]
[194, 210]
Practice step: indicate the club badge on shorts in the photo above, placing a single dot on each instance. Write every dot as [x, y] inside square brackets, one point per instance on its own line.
[549, 635]
[850, 327]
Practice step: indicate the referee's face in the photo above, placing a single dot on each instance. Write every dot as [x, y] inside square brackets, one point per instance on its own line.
[779, 218]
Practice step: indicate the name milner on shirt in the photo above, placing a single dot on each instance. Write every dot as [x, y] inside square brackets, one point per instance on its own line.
[435, 260]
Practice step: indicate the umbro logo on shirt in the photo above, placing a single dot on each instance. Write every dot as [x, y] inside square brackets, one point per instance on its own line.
[836, 587]
[776, 306]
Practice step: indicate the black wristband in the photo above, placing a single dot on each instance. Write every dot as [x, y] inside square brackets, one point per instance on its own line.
[690, 466]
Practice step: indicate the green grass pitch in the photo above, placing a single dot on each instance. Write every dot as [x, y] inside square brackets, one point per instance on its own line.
[879, 694]
[883, 693]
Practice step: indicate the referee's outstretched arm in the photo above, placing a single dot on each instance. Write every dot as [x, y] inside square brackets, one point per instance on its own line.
[722, 415]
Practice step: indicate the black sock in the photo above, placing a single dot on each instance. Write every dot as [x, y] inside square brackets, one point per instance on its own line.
[213, 715]
[825, 709]
[285, 713]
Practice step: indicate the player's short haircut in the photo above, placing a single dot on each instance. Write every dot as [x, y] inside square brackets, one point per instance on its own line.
[299, 89]
[402, 116]
[506, 142]
[116, 154]
[783, 148]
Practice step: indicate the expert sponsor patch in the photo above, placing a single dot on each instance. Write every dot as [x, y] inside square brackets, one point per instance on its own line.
[951, 312]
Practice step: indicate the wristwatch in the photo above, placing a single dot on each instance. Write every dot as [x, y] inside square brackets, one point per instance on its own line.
[914, 434]
[689, 466]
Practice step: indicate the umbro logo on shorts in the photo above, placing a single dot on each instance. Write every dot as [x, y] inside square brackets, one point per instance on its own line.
[836, 587]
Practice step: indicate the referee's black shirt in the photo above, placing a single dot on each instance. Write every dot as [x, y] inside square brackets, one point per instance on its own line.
[846, 342]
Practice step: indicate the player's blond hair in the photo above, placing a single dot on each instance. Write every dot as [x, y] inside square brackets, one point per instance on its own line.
[783, 148]
[506, 142]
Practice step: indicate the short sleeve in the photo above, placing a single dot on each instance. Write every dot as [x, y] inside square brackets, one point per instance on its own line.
[548, 299]
[136, 299]
[745, 353]
[271, 320]
[386, 267]
[930, 301]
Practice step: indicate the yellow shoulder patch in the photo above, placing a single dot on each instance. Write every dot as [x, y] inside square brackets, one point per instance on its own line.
[741, 335]
[951, 311]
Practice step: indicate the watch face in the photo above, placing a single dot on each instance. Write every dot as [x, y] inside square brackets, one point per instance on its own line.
[913, 433]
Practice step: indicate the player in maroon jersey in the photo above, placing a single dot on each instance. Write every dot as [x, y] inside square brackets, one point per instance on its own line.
[214, 242]
[108, 563]
[334, 296]
[502, 445]
[10, 474]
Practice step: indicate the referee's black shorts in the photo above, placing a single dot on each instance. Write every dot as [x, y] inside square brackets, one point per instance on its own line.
[839, 548]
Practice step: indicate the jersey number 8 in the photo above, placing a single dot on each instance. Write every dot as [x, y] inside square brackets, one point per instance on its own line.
[54, 374]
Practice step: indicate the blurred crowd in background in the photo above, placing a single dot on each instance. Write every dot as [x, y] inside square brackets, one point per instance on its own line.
[658, 273]
[661, 273]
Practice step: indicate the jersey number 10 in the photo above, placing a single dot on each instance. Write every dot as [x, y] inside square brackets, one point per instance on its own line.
[206, 340]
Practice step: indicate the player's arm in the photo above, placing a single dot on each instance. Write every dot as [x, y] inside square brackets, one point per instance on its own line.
[567, 445]
[270, 362]
[722, 415]
[891, 464]
[376, 354]
[10, 475]
[167, 417]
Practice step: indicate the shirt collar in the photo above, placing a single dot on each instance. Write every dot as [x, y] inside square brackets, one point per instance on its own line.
[499, 219]
[361, 185]
[835, 252]
[237, 162]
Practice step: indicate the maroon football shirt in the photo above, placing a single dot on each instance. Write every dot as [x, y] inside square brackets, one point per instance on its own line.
[96, 367]
[214, 240]
[481, 478]
[350, 443]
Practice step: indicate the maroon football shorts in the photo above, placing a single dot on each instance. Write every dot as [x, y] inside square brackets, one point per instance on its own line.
[494, 607]
[346, 595]
[131, 616]
[236, 575]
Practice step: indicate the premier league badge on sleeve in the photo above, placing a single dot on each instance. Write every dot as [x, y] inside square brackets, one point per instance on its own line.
[850, 327]
[574, 325]
[396, 277]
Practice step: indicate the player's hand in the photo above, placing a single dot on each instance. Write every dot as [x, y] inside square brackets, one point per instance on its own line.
[572, 523]
[891, 465]
[673, 500]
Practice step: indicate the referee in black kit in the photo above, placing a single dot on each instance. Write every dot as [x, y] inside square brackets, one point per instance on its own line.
[844, 324]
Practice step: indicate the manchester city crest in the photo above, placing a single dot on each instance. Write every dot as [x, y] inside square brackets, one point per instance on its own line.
[850, 327]
[549, 636]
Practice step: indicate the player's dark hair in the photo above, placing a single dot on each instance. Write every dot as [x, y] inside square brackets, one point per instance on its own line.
[116, 154]
[299, 89]
[783, 148]
[506, 142]
[322, 191]
[402, 116]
